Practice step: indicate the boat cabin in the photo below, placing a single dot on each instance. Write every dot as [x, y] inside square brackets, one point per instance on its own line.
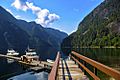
[30, 56]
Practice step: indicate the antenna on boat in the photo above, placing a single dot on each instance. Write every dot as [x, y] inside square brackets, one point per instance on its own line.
[27, 49]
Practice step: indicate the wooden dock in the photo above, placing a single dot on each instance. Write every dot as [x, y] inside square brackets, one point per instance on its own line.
[68, 70]
[34, 65]
[10, 57]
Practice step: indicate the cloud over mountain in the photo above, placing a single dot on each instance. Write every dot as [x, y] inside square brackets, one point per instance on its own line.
[44, 17]
[20, 4]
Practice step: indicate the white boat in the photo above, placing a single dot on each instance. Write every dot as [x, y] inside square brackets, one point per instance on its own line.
[11, 52]
[31, 55]
[31, 52]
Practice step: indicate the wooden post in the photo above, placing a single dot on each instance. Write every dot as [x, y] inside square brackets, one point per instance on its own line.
[95, 71]
[78, 64]
[84, 63]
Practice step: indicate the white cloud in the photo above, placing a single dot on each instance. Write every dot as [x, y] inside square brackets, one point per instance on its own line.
[20, 4]
[44, 17]
[32, 7]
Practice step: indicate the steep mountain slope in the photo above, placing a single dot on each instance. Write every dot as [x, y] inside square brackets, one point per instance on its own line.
[4, 15]
[19, 34]
[100, 28]
[56, 33]
[11, 36]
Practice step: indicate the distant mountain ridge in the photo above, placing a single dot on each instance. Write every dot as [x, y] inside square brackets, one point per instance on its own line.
[100, 28]
[19, 34]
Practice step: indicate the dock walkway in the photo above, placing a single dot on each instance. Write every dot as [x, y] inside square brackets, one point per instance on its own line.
[68, 70]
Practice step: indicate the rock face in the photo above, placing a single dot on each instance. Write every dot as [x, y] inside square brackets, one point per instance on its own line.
[99, 28]
[19, 34]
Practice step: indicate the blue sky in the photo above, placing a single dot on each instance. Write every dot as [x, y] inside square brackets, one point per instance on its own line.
[64, 15]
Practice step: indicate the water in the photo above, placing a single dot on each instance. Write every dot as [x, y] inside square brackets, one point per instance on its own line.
[31, 76]
[17, 71]
[9, 69]
[107, 56]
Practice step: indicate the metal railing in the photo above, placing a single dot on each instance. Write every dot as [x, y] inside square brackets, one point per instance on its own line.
[53, 73]
[107, 70]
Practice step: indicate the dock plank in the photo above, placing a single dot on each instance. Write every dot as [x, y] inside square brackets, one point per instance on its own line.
[68, 70]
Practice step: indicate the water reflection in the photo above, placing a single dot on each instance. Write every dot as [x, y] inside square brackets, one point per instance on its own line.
[107, 56]
[9, 69]
[31, 76]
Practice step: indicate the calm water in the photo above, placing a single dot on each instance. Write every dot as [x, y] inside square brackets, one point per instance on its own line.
[31, 76]
[8, 70]
[107, 56]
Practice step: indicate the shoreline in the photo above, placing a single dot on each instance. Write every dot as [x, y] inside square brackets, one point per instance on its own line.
[100, 47]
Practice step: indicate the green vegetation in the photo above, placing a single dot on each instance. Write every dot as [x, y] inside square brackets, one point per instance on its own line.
[101, 28]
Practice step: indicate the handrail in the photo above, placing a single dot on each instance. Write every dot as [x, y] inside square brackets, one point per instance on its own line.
[109, 71]
[90, 72]
[53, 73]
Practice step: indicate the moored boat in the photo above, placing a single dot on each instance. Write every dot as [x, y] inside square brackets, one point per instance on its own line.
[11, 52]
[30, 56]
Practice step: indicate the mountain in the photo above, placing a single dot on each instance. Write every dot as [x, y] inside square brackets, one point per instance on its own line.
[100, 28]
[19, 34]
[10, 36]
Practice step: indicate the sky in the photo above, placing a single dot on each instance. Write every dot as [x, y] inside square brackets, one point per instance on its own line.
[64, 15]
